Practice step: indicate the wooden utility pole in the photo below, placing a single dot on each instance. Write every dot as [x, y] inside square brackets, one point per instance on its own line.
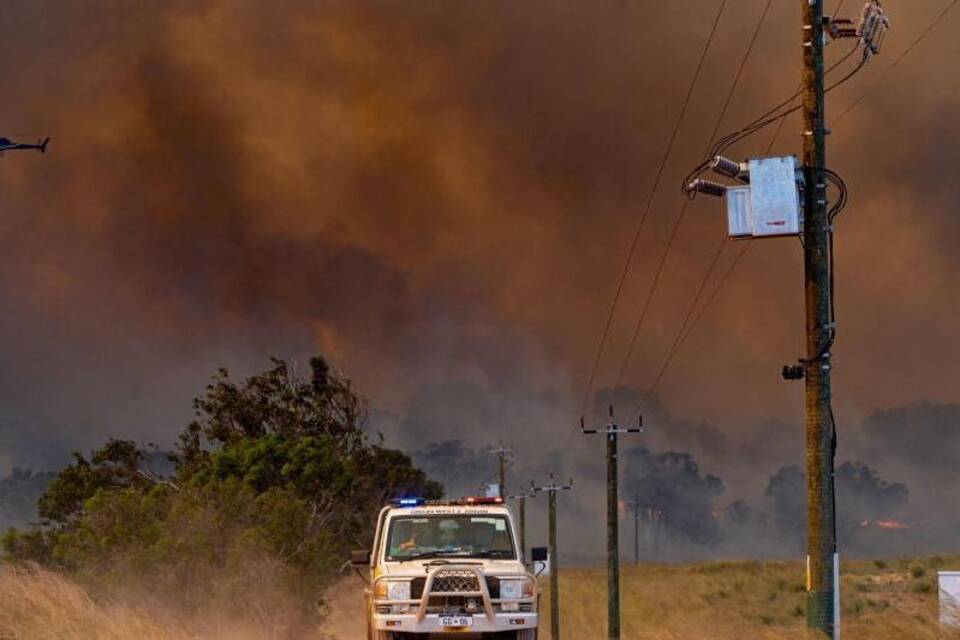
[613, 522]
[521, 499]
[822, 559]
[551, 490]
[636, 529]
[502, 454]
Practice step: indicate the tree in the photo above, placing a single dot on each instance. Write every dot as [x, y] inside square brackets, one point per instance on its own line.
[670, 485]
[862, 498]
[276, 472]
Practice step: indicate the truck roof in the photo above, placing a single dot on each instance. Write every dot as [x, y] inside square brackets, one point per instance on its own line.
[448, 509]
[467, 505]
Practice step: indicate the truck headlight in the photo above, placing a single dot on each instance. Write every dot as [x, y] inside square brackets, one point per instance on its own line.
[393, 590]
[516, 589]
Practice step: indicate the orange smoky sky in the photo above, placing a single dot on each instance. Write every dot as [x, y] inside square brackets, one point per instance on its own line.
[441, 192]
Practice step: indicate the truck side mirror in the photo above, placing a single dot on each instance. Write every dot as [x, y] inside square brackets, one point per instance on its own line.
[360, 557]
[539, 554]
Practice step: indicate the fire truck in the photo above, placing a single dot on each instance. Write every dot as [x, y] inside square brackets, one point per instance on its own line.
[440, 568]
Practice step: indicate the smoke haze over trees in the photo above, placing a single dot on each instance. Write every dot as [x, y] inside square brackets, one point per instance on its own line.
[438, 197]
[19, 492]
[669, 487]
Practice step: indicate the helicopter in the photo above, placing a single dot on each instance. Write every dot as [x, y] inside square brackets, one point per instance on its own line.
[6, 144]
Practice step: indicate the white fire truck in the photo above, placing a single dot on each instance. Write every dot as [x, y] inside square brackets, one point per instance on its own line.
[445, 568]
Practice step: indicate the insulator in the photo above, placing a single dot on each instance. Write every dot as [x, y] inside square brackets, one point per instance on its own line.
[727, 167]
[708, 187]
[873, 26]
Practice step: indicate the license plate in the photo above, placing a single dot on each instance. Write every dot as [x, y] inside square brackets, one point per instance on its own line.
[456, 621]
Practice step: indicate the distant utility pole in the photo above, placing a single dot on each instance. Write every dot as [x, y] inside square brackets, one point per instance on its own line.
[521, 499]
[551, 490]
[502, 460]
[822, 558]
[613, 521]
[636, 529]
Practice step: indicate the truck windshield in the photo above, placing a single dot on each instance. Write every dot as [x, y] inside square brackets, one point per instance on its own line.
[461, 536]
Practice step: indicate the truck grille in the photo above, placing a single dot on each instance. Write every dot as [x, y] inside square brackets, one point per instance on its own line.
[417, 585]
[455, 582]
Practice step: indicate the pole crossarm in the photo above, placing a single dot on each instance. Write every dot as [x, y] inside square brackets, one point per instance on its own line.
[553, 486]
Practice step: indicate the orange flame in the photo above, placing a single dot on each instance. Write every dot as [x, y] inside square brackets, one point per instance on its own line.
[889, 525]
[892, 525]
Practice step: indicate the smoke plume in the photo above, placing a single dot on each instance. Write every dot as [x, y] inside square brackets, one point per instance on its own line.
[438, 197]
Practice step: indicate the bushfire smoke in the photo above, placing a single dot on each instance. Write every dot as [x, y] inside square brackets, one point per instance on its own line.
[438, 196]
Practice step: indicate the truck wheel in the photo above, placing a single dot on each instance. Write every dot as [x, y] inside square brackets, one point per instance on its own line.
[527, 634]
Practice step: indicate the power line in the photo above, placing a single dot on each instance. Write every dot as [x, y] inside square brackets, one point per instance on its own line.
[683, 337]
[939, 18]
[649, 204]
[650, 292]
[686, 320]
[933, 25]
[683, 208]
[733, 265]
[693, 325]
[761, 122]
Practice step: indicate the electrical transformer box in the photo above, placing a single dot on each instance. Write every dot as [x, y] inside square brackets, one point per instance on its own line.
[769, 205]
[774, 196]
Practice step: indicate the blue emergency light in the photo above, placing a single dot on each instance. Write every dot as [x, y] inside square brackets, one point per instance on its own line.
[408, 502]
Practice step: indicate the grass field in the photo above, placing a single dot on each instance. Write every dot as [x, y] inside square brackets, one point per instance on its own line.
[710, 601]
[879, 601]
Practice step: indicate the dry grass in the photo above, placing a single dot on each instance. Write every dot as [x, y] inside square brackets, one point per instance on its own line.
[711, 601]
[42, 605]
[39, 605]
[723, 600]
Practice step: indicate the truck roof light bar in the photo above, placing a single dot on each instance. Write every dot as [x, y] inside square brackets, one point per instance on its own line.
[409, 502]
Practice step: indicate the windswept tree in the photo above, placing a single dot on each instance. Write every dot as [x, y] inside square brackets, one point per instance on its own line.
[276, 479]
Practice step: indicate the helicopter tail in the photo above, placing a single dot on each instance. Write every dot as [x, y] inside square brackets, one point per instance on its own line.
[43, 145]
